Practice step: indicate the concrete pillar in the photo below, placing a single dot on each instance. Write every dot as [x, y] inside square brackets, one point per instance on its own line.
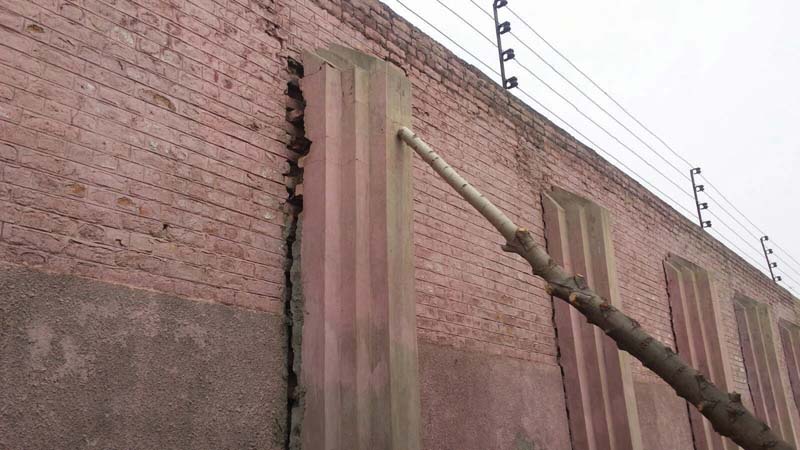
[756, 333]
[790, 338]
[696, 322]
[597, 377]
[359, 350]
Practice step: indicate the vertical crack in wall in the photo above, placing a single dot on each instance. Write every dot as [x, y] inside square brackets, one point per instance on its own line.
[563, 375]
[293, 298]
[675, 344]
[558, 352]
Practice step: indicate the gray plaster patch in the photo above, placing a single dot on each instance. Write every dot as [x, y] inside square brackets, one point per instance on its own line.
[86, 364]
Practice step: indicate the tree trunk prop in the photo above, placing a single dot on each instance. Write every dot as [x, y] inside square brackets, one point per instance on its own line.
[725, 411]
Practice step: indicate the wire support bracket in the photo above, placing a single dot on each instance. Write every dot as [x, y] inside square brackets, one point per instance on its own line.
[701, 206]
[504, 55]
[770, 264]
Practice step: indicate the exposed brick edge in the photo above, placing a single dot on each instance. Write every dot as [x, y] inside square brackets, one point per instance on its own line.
[293, 295]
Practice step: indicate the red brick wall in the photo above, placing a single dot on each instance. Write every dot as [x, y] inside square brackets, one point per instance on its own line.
[141, 146]
[143, 143]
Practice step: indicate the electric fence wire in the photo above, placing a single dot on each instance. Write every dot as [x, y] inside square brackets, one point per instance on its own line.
[491, 69]
[583, 93]
[744, 254]
[564, 57]
[550, 112]
[752, 260]
[748, 243]
[653, 134]
[680, 188]
[648, 130]
[753, 247]
[778, 256]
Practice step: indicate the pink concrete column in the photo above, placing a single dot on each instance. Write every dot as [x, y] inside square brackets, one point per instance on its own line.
[790, 338]
[756, 333]
[597, 377]
[359, 351]
[696, 322]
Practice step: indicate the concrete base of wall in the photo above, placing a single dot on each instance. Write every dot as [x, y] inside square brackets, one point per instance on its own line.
[473, 401]
[86, 364]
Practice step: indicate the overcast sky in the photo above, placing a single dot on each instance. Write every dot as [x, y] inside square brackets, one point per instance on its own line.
[716, 80]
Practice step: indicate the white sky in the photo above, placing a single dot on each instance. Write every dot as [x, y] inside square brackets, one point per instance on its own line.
[716, 79]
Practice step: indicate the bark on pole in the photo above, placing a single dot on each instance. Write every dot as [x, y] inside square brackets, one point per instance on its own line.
[724, 410]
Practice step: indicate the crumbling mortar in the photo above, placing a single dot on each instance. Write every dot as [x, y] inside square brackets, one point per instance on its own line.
[293, 299]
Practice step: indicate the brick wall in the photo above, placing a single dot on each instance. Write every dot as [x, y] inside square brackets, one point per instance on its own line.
[140, 147]
[143, 142]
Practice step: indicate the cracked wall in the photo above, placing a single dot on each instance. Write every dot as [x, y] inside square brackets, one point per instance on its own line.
[294, 307]
[144, 143]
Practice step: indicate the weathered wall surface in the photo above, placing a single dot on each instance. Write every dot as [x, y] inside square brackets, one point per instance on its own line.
[87, 364]
[143, 142]
[662, 417]
[472, 401]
